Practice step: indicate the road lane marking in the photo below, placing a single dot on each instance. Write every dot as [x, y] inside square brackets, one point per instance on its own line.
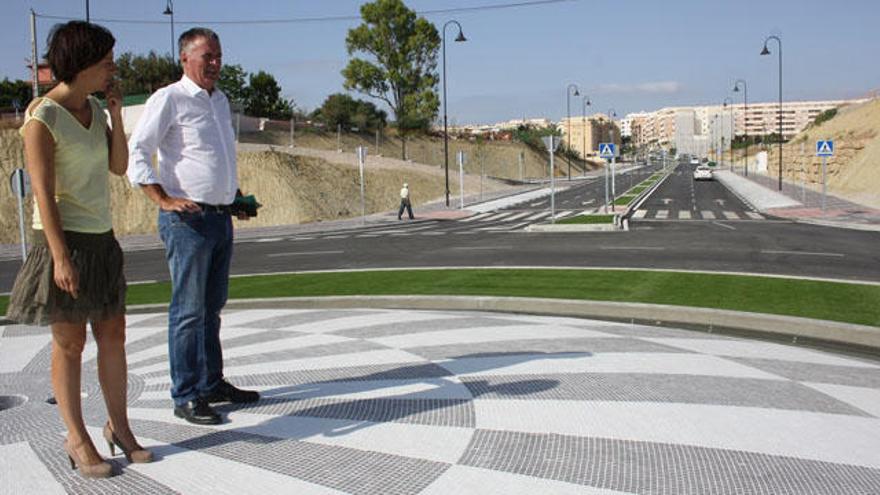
[803, 253]
[724, 225]
[481, 248]
[303, 253]
[632, 248]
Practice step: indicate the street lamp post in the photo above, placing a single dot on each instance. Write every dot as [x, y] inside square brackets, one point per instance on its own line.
[765, 51]
[568, 95]
[745, 121]
[584, 114]
[169, 11]
[458, 38]
[88, 17]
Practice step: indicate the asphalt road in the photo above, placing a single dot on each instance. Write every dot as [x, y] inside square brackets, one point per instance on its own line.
[741, 244]
[681, 197]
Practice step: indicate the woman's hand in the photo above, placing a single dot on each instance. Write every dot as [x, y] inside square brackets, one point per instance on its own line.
[114, 97]
[66, 276]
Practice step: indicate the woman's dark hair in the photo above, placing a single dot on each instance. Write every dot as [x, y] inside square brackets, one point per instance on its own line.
[75, 46]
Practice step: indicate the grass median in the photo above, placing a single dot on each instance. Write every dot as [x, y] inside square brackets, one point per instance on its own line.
[836, 301]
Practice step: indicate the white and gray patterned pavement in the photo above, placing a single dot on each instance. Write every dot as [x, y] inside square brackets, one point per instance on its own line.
[446, 402]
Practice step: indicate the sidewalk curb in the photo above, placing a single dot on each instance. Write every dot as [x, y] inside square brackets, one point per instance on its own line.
[846, 336]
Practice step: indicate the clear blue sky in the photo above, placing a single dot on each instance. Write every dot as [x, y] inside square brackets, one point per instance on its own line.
[627, 55]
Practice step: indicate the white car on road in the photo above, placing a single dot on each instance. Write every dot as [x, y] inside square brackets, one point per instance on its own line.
[703, 172]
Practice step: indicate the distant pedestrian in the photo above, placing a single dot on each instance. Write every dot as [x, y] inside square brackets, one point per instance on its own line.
[405, 202]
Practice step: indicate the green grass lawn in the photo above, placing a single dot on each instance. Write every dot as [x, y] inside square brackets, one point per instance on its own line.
[588, 219]
[851, 303]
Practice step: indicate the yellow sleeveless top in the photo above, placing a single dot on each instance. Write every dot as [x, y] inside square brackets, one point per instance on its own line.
[82, 188]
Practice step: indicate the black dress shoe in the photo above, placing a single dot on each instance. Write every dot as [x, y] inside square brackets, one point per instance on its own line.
[227, 392]
[198, 412]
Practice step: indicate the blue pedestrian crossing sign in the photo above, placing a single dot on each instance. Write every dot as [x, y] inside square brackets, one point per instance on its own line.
[607, 150]
[825, 148]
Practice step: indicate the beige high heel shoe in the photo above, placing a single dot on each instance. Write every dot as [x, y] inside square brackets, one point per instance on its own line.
[138, 454]
[99, 470]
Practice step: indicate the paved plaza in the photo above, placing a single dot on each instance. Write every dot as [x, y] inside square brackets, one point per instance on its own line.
[450, 402]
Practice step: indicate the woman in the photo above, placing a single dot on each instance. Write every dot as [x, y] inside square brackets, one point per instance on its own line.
[73, 273]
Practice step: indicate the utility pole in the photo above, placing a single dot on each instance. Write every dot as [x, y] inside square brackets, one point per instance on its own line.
[35, 63]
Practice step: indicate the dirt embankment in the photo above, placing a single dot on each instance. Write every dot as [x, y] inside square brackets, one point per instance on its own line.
[493, 158]
[306, 186]
[854, 170]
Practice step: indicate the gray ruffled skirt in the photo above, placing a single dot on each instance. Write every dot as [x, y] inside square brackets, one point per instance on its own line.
[37, 300]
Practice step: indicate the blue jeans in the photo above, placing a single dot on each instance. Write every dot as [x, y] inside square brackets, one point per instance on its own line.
[198, 247]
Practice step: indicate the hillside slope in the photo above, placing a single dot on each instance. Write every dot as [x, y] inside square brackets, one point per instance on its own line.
[854, 170]
[308, 186]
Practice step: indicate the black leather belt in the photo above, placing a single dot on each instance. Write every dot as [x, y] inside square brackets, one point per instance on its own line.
[226, 209]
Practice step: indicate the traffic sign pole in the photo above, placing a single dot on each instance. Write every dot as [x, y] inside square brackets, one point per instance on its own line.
[552, 187]
[461, 176]
[362, 158]
[824, 149]
[20, 187]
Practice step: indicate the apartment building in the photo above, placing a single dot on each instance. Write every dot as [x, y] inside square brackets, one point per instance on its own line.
[586, 133]
[717, 124]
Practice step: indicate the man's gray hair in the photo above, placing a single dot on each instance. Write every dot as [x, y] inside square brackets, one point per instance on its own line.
[190, 36]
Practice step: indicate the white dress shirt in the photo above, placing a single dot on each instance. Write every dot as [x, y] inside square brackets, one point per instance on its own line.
[192, 131]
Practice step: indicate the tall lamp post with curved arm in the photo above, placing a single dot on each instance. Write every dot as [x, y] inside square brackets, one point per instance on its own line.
[729, 100]
[169, 11]
[745, 121]
[458, 38]
[765, 51]
[568, 95]
[587, 103]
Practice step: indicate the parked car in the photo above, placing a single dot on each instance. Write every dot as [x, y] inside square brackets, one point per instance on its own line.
[703, 172]
[695, 161]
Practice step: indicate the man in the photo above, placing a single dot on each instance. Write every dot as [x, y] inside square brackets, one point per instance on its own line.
[190, 124]
[405, 203]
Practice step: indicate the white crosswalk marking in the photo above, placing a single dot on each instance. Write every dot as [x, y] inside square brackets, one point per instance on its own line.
[543, 214]
[476, 217]
[520, 215]
[563, 214]
[707, 215]
[684, 214]
[640, 213]
[731, 215]
[754, 215]
[662, 214]
[496, 217]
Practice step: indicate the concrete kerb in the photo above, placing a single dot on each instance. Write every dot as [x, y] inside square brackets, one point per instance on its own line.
[643, 196]
[845, 336]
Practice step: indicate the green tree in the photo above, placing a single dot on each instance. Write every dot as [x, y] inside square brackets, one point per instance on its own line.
[11, 91]
[233, 83]
[403, 70]
[265, 98]
[144, 74]
[342, 109]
